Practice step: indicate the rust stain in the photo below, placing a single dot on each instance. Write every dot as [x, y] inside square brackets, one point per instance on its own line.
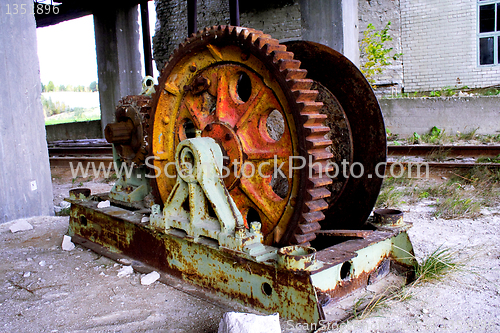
[346, 286]
[121, 235]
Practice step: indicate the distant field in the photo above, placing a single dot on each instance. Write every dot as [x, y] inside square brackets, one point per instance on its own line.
[74, 116]
[83, 106]
[74, 99]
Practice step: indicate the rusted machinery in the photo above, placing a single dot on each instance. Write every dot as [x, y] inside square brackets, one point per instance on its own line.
[256, 163]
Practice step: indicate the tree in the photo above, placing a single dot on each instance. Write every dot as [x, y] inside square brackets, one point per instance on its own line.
[62, 87]
[50, 86]
[93, 86]
[375, 53]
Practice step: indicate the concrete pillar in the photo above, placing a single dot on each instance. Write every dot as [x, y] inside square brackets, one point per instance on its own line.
[333, 23]
[118, 57]
[25, 181]
[350, 28]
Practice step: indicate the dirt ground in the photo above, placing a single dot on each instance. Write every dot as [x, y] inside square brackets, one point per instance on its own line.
[46, 289]
[467, 300]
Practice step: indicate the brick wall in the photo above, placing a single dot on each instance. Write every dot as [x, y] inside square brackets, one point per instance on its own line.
[279, 18]
[437, 38]
[440, 46]
[171, 24]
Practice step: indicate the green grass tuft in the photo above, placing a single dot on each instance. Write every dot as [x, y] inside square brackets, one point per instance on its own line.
[436, 265]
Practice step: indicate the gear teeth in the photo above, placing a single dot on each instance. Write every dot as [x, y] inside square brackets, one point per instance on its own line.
[244, 34]
[304, 239]
[313, 217]
[306, 95]
[283, 55]
[317, 128]
[304, 229]
[315, 141]
[308, 107]
[317, 205]
[318, 193]
[260, 42]
[320, 154]
[268, 49]
[317, 181]
[321, 167]
[293, 74]
[252, 37]
[289, 64]
[300, 84]
[312, 118]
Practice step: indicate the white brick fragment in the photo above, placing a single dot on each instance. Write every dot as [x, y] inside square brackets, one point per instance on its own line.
[67, 244]
[125, 271]
[236, 322]
[150, 278]
[103, 204]
[21, 225]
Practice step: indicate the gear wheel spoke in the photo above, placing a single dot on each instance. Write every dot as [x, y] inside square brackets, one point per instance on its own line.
[256, 104]
[259, 192]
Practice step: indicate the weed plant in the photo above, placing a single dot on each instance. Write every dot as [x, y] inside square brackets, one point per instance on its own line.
[437, 136]
[462, 196]
[433, 267]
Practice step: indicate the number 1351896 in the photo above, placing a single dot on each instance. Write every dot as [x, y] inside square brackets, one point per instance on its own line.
[36, 8]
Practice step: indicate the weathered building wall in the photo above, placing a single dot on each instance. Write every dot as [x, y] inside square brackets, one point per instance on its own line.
[280, 19]
[440, 46]
[74, 131]
[437, 39]
[323, 21]
[25, 182]
[379, 13]
[171, 25]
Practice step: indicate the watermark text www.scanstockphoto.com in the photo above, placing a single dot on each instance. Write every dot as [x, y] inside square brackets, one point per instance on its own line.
[276, 168]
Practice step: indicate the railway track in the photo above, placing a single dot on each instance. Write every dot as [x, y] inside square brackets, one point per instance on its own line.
[97, 151]
[449, 151]
[449, 158]
[62, 153]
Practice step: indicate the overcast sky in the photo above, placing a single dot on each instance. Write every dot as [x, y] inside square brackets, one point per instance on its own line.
[66, 51]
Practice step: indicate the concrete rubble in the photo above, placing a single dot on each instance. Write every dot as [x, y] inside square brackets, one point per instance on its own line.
[125, 271]
[235, 322]
[103, 204]
[20, 225]
[150, 278]
[67, 244]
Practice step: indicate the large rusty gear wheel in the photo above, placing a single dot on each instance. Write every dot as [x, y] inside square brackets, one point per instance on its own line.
[243, 89]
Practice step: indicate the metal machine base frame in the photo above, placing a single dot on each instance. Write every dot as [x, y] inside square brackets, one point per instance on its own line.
[297, 294]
